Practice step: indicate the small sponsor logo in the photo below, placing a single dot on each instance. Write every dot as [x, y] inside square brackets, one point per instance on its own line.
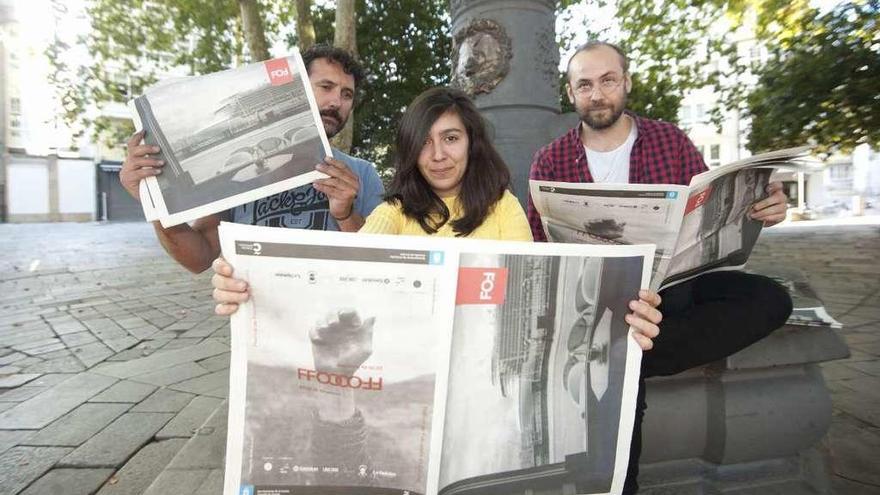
[481, 286]
[279, 71]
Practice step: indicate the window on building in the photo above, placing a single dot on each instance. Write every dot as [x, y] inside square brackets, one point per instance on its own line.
[14, 123]
[702, 150]
[715, 152]
[15, 106]
[701, 113]
[684, 114]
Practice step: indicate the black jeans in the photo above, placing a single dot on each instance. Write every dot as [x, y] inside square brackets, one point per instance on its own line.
[706, 319]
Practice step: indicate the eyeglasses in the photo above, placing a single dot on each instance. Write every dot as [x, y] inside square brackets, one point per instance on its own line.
[606, 84]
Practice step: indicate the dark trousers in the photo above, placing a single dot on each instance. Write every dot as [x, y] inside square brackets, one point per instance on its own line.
[706, 319]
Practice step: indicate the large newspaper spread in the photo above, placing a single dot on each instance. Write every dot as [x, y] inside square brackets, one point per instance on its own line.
[697, 228]
[434, 366]
[228, 138]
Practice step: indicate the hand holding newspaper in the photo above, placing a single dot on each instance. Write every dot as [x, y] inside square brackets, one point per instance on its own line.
[697, 228]
[448, 366]
[229, 138]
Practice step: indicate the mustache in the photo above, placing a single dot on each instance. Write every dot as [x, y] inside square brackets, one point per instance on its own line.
[331, 113]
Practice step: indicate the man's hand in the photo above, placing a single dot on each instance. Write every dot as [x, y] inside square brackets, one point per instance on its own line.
[342, 342]
[138, 164]
[645, 318]
[228, 292]
[771, 210]
[341, 187]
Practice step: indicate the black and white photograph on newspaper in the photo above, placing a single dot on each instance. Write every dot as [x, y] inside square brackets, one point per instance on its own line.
[343, 348]
[613, 214]
[716, 230]
[541, 349]
[229, 137]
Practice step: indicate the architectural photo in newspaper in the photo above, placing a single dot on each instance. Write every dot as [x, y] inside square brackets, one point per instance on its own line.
[697, 228]
[228, 138]
[437, 366]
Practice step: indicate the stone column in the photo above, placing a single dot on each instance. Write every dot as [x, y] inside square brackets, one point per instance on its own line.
[505, 56]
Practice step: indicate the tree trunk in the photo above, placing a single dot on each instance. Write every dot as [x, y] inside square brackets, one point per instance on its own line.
[252, 25]
[346, 38]
[305, 30]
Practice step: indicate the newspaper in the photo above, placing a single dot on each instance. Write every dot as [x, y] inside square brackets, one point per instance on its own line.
[229, 138]
[807, 309]
[444, 366]
[697, 228]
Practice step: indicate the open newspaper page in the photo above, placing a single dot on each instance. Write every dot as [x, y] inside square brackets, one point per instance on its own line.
[717, 232]
[229, 137]
[544, 376]
[613, 214]
[807, 308]
[339, 362]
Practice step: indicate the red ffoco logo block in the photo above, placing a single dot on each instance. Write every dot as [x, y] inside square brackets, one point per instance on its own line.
[698, 200]
[481, 286]
[279, 71]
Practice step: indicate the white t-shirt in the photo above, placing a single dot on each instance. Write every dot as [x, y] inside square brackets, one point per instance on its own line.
[612, 166]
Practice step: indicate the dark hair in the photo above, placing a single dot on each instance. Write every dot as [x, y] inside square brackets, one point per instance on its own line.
[341, 56]
[485, 178]
[592, 45]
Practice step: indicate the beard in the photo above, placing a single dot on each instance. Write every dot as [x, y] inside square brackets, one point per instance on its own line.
[332, 129]
[610, 114]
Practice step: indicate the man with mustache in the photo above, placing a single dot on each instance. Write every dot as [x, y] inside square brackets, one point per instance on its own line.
[338, 202]
[706, 318]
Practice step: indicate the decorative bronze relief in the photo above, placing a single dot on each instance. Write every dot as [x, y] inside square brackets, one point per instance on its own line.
[481, 56]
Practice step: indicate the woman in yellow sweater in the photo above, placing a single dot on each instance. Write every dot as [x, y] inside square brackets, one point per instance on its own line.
[449, 180]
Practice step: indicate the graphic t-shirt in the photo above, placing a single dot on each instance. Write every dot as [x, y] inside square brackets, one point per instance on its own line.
[306, 208]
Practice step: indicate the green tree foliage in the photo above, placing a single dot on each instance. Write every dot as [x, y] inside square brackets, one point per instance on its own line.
[133, 42]
[669, 44]
[405, 47]
[822, 82]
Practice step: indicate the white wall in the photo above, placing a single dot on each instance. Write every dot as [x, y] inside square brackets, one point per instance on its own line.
[27, 186]
[76, 187]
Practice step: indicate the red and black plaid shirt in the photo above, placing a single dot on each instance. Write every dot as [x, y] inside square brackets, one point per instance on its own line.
[662, 154]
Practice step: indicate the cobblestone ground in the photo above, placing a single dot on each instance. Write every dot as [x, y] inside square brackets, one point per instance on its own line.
[83, 401]
[113, 369]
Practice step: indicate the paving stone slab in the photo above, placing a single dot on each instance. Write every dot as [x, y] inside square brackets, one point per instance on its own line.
[216, 363]
[21, 394]
[213, 484]
[143, 468]
[54, 402]
[175, 374]
[125, 391]
[68, 364]
[188, 420]
[69, 482]
[17, 379]
[77, 426]
[207, 448]
[11, 438]
[162, 360]
[178, 482]
[78, 339]
[19, 466]
[214, 384]
[164, 400]
[113, 445]
[11, 358]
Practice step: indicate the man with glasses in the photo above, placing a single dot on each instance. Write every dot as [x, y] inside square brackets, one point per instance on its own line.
[706, 318]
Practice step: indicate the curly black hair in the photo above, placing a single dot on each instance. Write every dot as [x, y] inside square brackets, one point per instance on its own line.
[341, 56]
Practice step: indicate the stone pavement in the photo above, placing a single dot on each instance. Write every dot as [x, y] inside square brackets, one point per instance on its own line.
[113, 369]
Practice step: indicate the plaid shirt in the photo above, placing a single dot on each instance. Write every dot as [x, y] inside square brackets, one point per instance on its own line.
[662, 154]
